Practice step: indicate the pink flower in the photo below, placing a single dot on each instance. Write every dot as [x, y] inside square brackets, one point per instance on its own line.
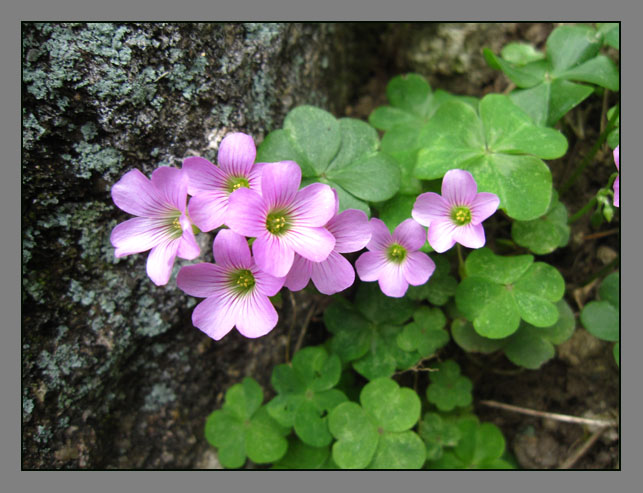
[352, 232]
[617, 187]
[161, 225]
[211, 185]
[235, 290]
[283, 219]
[393, 260]
[457, 214]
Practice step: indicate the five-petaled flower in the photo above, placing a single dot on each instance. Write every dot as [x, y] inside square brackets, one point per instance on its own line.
[617, 188]
[352, 232]
[210, 185]
[283, 219]
[162, 224]
[394, 260]
[457, 214]
[236, 291]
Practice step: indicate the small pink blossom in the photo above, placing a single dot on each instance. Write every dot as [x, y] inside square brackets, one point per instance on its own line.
[457, 214]
[236, 292]
[352, 232]
[162, 224]
[210, 185]
[394, 260]
[617, 187]
[283, 219]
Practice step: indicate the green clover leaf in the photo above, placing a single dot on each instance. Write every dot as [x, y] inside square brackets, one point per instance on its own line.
[377, 433]
[546, 92]
[425, 334]
[341, 153]
[614, 137]
[500, 291]
[610, 33]
[448, 389]
[306, 394]
[302, 456]
[243, 428]
[601, 318]
[502, 149]
[440, 287]
[437, 434]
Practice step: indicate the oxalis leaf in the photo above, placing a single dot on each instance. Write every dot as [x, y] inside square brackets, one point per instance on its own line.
[448, 389]
[341, 153]
[501, 148]
[500, 291]
[601, 318]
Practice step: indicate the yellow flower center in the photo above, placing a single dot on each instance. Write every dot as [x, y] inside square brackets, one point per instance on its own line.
[236, 182]
[461, 215]
[396, 253]
[242, 281]
[277, 223]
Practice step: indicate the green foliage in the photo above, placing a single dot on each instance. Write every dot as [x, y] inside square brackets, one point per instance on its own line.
[614, 137]
[341, 153]
[500, 291]
[425, 335]
[441, 285]
[302, 456]
[546, 91]
[438, 434]
[601, 318]
[448, 389]
[244, 428]
[500, 146]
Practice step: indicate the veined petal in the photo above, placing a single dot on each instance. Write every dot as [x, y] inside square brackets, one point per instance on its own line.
[440, 235]
[202, 280]
[214, 316]
[231, 250]
[381, 237]
[279, 183]
[428, 207]
[203, 176]
[188, 247]
[417, 268]
[160, 261]
[208, 209]
[246, 213]
[172, 185]
[314, 205]
[410, 234]
[266, 284]
[299, 274]
[254, 315]
[136, 235]
[351, 230]
[312, 243]
[459, 187]
[237, 152]
[135, 194]
[333, 275]
[254, 177]
[471, 235]
[369, 265]
[273, 255]
[484, 205]
[392, 281]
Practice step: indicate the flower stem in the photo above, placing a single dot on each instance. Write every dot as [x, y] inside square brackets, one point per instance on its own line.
[590, 156]
[586, 208]
[461, 267]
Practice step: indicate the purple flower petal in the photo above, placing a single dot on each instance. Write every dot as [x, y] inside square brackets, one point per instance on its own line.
[272, 255]
[160, 262]
[440, 235]
[410, 234]
[203, 176]
[246, 213]
[381, 237]
[254, 315]
[231, 250]
[202, 280]
[428, 207]
[351, 230]
[208, 209]
[188, 247]
[136, 235]
[369, 265]
[392, 281]
[458, 187]
[254, 177]
[314, 205]
[617, 184]
[172, 185]
[237, 152]
[333, 275]
[299, 274]
[279, 183]
[135, 194]
[312, 243]
[418, 267]
[470, 236]
[617, 157]
[214, 316]
[267, 284]
[483, 205]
